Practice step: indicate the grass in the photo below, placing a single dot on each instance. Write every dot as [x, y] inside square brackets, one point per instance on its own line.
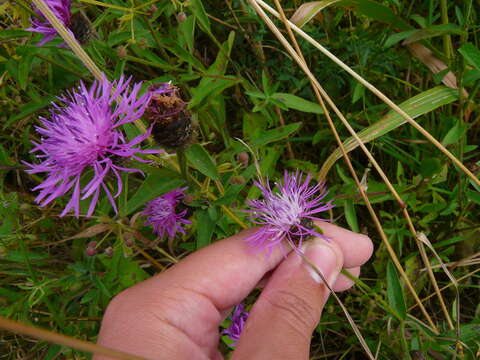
[241, 81]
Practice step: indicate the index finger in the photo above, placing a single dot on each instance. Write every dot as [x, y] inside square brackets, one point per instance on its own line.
[227, 271]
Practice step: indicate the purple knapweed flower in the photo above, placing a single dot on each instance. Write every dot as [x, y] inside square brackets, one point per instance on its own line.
[85, 134]
[61, 8]
[162, 214]
[287, 213]
[238, 320]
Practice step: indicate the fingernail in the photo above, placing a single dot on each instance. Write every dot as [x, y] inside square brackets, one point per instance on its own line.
[325, 260]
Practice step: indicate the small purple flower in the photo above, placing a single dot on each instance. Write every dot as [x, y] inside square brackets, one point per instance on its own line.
[85, 135]
[162, 214]
[287, 213]
[61, 8]
[238, 318]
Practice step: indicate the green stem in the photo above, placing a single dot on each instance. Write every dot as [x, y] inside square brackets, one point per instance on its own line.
[182, 162]
[447, 41]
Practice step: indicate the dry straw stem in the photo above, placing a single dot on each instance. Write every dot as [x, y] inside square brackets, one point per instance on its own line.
[344, 309]
[373, 89]
[420, 245]
[60, 339]
[76, 47]
[317, 88]
[69, 39]
[466, 276]
[385, 179]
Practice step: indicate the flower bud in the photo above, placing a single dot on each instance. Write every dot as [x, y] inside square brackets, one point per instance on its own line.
[91, 251]
[237, 180]
[142, 43]
[181, 17]
[122, 52]
[188, 199]
[243, 158]
[152, 10]
[109, 251]
[129, 240]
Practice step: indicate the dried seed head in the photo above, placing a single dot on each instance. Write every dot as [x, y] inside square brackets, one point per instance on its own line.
[81, 28]
[172, 123]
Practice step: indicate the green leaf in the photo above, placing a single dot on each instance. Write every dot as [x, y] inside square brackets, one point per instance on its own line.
[205, 227]
[368, 8]
[13, 34]
[210, 86]
[24, 67]
[433, 31]
[201, 160]
[351, 215]
[28, 109]
[307, 11]
[156, 184]
[376, 11]
[454, 134]
[199, 11]
[263, 138]
[395, 295]
[298, 103]
[418, 105]
[430, 166]
[471, 54]
[473, 196]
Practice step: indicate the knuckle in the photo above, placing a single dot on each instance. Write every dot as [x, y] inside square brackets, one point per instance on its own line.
[298, 313]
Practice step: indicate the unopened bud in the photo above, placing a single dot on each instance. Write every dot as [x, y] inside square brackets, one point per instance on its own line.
[152, 10]
[109, 251]
[92, 244]
[122, 52]
[243, 158]
[91, 251]
[129, 241]
[181, 17]
[188, 199]
[237, 180]
[142, 43]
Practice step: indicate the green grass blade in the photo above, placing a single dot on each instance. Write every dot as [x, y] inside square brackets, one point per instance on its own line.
[416, 106]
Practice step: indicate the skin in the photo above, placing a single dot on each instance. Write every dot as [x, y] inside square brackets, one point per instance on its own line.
[176, 314]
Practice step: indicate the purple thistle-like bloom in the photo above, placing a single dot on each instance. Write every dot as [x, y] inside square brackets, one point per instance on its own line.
[162, 214]
[61, 8]
[287, 213]
[238, 318]
[85, 134]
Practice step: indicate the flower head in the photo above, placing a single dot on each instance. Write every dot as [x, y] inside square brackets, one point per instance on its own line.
[168, 114]
[239, 318]
[162, 214]
[61, 8]
[287, 213]
[85, 134]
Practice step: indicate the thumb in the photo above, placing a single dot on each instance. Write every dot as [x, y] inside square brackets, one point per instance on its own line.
[287, 312]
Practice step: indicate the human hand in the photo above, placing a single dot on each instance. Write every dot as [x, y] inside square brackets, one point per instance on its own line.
[176, 314]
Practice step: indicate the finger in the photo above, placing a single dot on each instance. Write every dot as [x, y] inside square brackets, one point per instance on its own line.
[356, 248]
[224, 272]
[344, 282]
[291, 304]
